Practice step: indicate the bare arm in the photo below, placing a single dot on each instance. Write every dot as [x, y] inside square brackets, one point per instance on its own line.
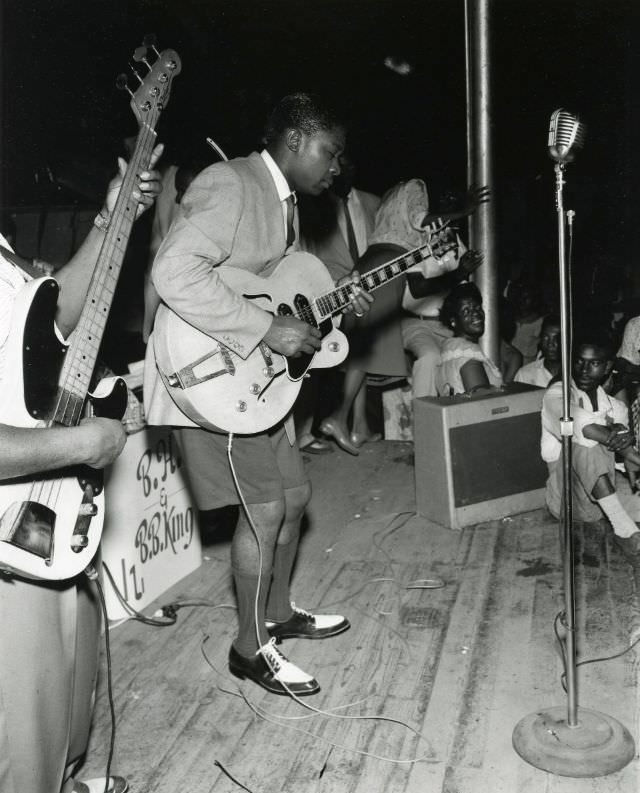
[474, 376]
[616, 437]
[75, 276]
[95, 442]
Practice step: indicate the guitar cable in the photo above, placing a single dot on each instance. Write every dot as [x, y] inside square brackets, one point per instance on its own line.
[313, 711]
[164, 616]
[92, 575]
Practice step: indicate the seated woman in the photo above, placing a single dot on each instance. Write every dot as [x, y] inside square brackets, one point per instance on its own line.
[464, 368]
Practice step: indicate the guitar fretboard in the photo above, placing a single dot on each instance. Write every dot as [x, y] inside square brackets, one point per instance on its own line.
[81, 357]
[334, 302]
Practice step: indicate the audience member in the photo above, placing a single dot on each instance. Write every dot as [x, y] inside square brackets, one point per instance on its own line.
[464, 368]
[627, 363]
[335, 227]
[422, 332]
[510, 357]
[600, 431]
[376, 341]
[547, 365]
[525, 298]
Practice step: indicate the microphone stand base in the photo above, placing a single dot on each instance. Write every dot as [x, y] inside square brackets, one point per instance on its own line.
[598, 745]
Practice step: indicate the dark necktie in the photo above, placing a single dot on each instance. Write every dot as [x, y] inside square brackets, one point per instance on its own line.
[291, 232]
[634, 411]
[351, 235]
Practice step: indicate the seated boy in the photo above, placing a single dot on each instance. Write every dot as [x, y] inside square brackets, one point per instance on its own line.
[599, 432]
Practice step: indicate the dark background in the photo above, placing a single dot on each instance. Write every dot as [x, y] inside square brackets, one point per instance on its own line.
[64, 121]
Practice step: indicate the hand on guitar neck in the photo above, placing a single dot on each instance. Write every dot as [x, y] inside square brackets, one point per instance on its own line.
[147, 190]
[293, 337]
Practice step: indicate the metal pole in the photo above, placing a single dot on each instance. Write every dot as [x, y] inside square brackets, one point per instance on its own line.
[566, 431]
[585, 743]
[480, 163]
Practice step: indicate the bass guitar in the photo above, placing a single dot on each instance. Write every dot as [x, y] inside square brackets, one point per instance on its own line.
[219, 390]
[50, 527]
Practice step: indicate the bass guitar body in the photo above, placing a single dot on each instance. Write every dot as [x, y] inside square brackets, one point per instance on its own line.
[219, 390]
[50, 526]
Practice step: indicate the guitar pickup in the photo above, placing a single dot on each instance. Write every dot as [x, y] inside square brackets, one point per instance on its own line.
[187, 377]
[29, 525]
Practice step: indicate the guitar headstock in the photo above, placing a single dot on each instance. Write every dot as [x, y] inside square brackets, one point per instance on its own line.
[152, 93]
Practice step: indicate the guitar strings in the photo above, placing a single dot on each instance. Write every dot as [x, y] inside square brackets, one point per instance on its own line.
[335, 301]
[48, 491]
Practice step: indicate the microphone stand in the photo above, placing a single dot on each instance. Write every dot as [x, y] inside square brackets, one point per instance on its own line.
[584, 743]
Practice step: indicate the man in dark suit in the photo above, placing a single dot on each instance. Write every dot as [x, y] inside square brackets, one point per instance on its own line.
[242, 214]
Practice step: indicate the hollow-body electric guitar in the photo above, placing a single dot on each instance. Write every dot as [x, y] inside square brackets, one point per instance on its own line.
[218, 389]
[50, 526]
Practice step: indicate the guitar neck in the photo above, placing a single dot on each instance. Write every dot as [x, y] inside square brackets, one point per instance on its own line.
[334, 302]
[81, 357]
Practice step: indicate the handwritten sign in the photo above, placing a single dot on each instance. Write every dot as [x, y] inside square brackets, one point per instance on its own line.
[151, 538]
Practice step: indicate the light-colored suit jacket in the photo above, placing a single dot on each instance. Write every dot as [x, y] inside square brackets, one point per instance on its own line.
[230, 215]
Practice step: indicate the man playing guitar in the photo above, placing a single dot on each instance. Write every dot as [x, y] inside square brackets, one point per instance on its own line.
[241, 214]
[50, 631]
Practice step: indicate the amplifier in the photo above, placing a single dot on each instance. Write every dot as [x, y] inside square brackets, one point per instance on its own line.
[478, 458]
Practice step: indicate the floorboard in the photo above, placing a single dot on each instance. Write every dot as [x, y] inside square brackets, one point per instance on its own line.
[433, 680]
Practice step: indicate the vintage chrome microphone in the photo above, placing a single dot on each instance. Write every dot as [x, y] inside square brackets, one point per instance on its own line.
[576, 742]
[566, 133]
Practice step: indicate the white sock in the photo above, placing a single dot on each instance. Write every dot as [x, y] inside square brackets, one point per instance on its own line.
[622, 523]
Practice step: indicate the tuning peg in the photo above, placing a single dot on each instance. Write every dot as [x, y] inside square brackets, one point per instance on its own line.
[121, 83]
[150, 40]
[140, 80]
[140, 56]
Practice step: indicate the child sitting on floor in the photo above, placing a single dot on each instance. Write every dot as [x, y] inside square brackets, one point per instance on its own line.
[600, 430]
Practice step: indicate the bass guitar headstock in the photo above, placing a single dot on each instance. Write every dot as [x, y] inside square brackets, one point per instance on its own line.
[152, 94]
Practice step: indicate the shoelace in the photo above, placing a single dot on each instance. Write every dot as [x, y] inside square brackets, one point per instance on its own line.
[306, 614]
[272, 656]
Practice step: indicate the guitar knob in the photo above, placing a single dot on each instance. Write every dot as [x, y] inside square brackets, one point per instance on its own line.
[241, 406]
[80, 541]
[334, 346]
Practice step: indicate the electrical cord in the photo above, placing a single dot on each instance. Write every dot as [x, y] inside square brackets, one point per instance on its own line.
[563, 677]
[166, 615]
[92, 575]
[281, 720]
[169, 612]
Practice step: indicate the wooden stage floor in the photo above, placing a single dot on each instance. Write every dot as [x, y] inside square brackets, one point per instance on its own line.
[459, 666]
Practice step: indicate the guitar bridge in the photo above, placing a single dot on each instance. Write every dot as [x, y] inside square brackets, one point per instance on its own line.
[187, 377]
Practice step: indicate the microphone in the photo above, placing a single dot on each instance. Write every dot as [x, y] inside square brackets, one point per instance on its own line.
[566, 132]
